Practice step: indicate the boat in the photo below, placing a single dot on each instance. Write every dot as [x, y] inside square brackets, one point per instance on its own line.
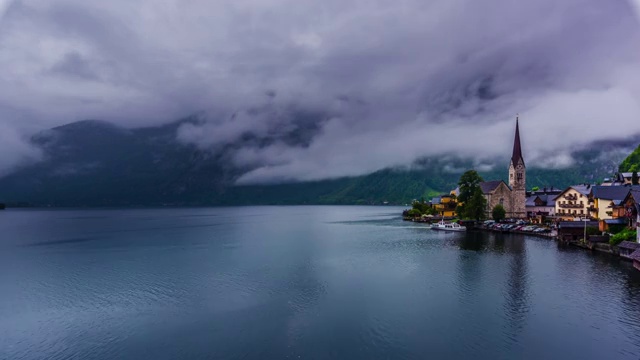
[448, 226]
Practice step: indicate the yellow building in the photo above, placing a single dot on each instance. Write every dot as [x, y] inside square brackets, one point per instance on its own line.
[573, 202]
[607, 199]
[445, 205]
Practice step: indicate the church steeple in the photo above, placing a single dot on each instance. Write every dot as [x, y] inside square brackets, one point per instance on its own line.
[517, 149]
[517, 178]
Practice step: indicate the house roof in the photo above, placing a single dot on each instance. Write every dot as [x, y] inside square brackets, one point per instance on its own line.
[577, 224]
[629, 245]
[612, 192]
[435, 200]
[583, 189]
[531, 200]
[617, 221]
[489, 186]
[547, 199]
[635, 255]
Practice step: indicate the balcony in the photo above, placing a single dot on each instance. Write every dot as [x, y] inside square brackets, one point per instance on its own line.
[571, 197]
[571, 206]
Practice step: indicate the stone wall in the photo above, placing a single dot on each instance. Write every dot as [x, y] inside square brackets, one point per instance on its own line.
[501, 195]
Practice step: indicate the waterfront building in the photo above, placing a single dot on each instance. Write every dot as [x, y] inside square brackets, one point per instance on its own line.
[638, 222]
[573, 202]
[635, 256]
[607, 201]
[517, 178]
[627, 208]
[512, 196]
[540, 206]
[497, 192]
[445, 205]
[626, 248]
[572, 231]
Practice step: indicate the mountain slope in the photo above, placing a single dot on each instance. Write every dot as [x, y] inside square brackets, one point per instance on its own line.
[632, 162]
[93, 163]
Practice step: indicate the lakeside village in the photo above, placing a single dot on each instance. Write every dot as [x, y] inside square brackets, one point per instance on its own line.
[603, 217]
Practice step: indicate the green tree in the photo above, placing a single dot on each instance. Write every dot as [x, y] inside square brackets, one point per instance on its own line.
[413, 213]
[498, 213]
[474, 207]
[471, 201]
[631, 163]
[468, 183]
[634, 178]
[535, 188]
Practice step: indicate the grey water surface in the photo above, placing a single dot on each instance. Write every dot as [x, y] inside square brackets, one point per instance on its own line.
[308, 282]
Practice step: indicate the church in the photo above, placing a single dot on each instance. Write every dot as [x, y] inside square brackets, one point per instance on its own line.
[512, 197]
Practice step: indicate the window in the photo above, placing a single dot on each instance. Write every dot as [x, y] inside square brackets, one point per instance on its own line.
[501, 201]
[581, 211]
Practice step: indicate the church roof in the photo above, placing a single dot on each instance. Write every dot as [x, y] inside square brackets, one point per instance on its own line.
[517, 148]
[489, 186]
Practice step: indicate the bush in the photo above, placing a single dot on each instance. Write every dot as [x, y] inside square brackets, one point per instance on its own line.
[414, 213]
[614, 229]
[624, 235]
[498, 213]
[423, 208]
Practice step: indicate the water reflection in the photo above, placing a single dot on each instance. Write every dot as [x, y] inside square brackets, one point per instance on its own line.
[516, 294]
[324, 282]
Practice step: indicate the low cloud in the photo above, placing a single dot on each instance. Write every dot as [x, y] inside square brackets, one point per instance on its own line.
[15, 150]
[297, 90]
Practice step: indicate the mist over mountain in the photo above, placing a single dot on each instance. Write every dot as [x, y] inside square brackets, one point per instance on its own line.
[291, 90]
[96, 163]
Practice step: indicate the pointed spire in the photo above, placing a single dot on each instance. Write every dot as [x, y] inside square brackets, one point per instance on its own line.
[517, 149]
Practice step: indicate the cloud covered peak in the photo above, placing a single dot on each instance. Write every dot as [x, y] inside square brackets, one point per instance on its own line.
[303, 90]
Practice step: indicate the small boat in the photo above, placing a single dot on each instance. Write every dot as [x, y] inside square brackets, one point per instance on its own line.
[447, 226]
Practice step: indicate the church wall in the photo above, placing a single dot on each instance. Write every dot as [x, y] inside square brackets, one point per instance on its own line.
[501, 195]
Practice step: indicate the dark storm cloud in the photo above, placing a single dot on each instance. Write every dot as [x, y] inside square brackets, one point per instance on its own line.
[307, 90]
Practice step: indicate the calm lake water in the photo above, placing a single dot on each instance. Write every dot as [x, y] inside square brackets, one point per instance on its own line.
[300, 282]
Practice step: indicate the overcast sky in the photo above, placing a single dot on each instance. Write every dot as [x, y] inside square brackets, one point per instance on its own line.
[363, 84]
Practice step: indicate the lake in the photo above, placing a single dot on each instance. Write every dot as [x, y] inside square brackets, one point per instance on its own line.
[308, 282]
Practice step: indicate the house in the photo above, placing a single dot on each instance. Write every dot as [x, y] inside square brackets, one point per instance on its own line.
[445, 205]
[623, 178]
[606, 201]
[635, 257]
[638, 222]
[540, 206]
[606, 224]
[626, 248]
[573, 202]
[629, 208]
[574, 230]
